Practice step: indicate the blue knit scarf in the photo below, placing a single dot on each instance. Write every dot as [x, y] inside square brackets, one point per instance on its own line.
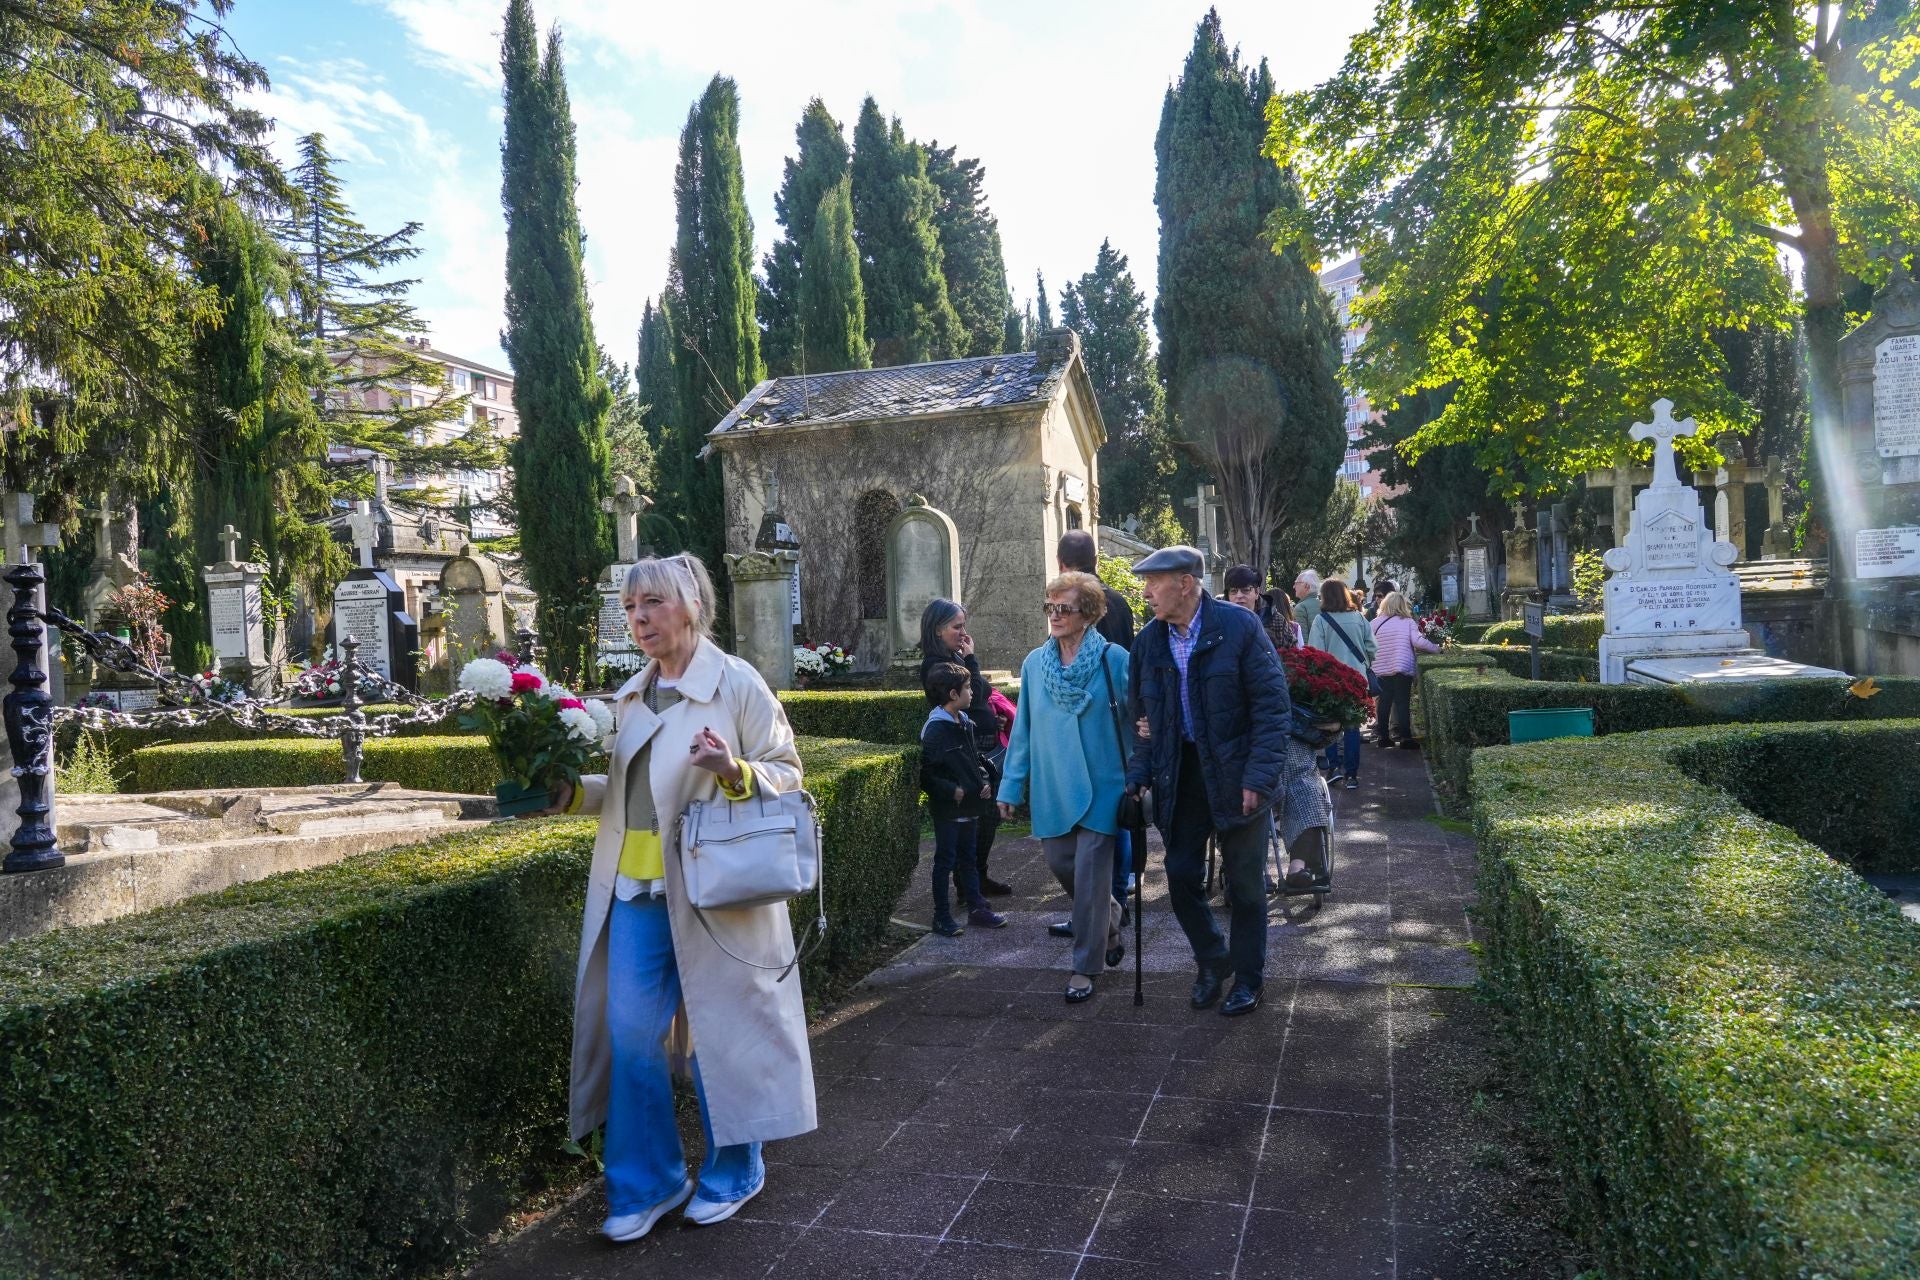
[1071, 686]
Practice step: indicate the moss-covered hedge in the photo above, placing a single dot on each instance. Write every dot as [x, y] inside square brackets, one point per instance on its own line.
[869, 715]
[1576, 631]
[1464, 707]
[1723, 1024]
[340, 1072]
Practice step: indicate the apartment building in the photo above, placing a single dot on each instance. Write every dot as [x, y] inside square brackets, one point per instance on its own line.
[1343, 284]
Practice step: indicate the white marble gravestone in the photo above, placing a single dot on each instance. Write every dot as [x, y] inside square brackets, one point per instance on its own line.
[923, 564]
[1672, 593]
[236, 615]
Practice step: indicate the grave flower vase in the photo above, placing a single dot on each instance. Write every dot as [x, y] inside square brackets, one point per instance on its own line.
[513, 799]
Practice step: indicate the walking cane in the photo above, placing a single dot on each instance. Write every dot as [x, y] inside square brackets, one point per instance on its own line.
[1139, 897]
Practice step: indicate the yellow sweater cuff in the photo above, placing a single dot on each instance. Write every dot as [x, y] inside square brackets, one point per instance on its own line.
[579, 796]
[745, 790]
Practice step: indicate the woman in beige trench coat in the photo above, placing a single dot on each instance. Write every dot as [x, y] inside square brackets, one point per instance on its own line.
[701, 722]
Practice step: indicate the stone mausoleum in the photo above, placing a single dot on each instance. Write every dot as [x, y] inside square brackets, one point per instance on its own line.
[1005, 445]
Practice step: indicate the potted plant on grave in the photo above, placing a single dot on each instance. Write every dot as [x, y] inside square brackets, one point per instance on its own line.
[813, 662]
[541, 734]
[320, 684]
[1329, 696]
[1437, 625]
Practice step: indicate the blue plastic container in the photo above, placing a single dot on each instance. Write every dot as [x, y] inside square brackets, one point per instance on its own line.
[1549, 722]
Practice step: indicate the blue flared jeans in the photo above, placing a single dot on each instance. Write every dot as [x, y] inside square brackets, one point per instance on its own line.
[644, 1159]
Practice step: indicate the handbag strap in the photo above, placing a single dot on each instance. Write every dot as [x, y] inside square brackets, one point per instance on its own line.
[1113, 705]
[1347, 640]
[816, 931]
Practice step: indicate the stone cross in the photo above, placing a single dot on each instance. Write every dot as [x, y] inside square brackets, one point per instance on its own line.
[229, 540]
[102, 532]
[363, 528]
[22, 535]
[382, 472]
[626, 505]
[1661, 431]
[1473, 524]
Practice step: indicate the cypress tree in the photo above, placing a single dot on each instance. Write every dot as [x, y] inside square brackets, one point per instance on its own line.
[975, 269]
[833, 309]
[909, 316]
[1046, 308]
[560, 459]
[1106, 308]
[716, 338]
[818, 166]
[1248, 345]
[654, 375]
[1013, 331]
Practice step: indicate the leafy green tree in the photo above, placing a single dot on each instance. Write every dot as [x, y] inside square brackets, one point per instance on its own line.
[717, 342]
[833, 308]
[909, 316]
[1106, 308]
[1248, 345]
[560, 464]
[970, 255]
[1013, 332]
[818, 166]
[1560, 203]
[1440, 487]
[629, 450]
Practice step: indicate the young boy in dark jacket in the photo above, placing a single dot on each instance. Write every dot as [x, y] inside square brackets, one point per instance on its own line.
[958, 791]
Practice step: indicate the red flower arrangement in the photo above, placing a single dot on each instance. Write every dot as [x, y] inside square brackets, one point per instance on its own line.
[1324, 689]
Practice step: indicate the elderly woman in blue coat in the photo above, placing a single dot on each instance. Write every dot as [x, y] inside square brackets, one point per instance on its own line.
[1067, 761]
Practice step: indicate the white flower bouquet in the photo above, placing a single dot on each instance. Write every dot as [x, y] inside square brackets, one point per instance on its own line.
[541, 734]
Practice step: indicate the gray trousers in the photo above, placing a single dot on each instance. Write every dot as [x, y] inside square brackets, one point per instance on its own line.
[1082, 861]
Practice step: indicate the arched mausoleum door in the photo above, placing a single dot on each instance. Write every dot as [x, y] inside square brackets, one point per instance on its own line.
[872, 513]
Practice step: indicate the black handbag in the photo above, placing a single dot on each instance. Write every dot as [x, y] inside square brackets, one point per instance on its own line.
[1136, 807]
[1373, 681]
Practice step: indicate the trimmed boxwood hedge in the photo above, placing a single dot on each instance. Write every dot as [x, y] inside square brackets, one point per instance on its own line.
[1464, 707]
[343, 1072]
[1577, 631]
[121, 743]
[455, 762]
[1721, 1023]
[870, 715]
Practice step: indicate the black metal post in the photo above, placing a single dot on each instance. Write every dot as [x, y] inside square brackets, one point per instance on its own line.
[355, 733]
[29, 716]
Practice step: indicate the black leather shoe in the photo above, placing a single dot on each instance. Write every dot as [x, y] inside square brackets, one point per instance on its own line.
[995, 889]
[1061, 929]
[1080, 995]
[1208, 986]
[1115, 956]
[1242, 999]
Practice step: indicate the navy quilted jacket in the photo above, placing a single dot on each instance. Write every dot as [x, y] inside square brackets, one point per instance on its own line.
[1241, 712]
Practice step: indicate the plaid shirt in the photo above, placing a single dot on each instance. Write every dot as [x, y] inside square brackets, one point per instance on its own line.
[1181, 642]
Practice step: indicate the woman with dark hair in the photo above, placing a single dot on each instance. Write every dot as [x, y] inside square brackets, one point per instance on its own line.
[1341, 631]
[1242, 585]
[944, 638]
[1276, 615]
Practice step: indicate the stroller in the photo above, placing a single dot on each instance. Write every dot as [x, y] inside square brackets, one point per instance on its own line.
[1305, 806]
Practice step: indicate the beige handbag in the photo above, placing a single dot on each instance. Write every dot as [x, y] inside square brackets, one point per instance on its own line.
[757, 852]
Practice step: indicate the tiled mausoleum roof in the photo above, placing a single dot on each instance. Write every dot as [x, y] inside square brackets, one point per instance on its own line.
[904, 391]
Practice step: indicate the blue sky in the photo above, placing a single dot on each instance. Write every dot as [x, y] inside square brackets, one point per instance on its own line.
[1058, 99]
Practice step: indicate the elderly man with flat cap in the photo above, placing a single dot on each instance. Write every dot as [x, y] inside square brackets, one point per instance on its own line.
[1212, 700]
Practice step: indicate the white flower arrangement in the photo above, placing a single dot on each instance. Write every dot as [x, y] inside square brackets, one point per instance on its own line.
[602, 723]
[579, 724]
[487, 678]
[808, 663]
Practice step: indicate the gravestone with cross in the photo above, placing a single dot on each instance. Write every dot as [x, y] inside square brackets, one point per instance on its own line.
[614, 647]
[1476, 564]
[236, 615]
[369, 606]
[1672, 593]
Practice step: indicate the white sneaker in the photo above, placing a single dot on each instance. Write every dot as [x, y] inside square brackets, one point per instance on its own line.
[1133, 881]
[623, 1227]
[703, 1212]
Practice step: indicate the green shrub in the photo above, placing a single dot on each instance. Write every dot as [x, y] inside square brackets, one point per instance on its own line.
[872, 715]
[1470, 632]
[121, 743]
[1722, 1024]
[1576, 631]
[454, 762]
[340, 1072]
[1464, 707]
[1517, 660]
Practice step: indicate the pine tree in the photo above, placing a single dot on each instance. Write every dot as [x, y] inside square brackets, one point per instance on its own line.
[1046, 308]
[357, 316]
[909, 316]
[1106, 308]
[629, 450]
[653, 374]
[818, 166]
[1248, 344]
[560, 465]
[833, 309]
[716, 338]
[1013, 331]
[975, 269]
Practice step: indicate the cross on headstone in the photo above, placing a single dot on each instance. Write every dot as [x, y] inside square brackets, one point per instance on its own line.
[361, 524]
[382, 473]
[1661, 431]
[102, 531]
[1473, 524]
[625, 505]
[22, 535]
[229, 539]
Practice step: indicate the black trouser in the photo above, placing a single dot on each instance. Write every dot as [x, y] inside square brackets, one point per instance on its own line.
[1396, 707]
[1243, 860]
[989, 823]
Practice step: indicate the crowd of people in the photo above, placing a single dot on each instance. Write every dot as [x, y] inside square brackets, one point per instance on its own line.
[1185, 725]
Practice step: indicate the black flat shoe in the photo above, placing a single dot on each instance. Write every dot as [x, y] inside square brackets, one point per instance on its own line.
[1242, 999]
[1080, 995]
[1115, 956]
[995, 889]
[1061, 929]
[1208, 986]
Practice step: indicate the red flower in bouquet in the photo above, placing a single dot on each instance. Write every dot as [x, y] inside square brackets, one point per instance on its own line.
[566, 703]
[526, 682]
[1325, 689]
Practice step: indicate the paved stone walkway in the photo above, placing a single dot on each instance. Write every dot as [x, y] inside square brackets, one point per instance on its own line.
[974, 1125]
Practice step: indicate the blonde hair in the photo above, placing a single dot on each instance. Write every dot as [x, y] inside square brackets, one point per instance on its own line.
[680, 578]
[1087, 591]
[1395, 606]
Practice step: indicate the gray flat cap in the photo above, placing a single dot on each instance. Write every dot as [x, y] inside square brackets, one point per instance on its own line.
[1179, 559]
